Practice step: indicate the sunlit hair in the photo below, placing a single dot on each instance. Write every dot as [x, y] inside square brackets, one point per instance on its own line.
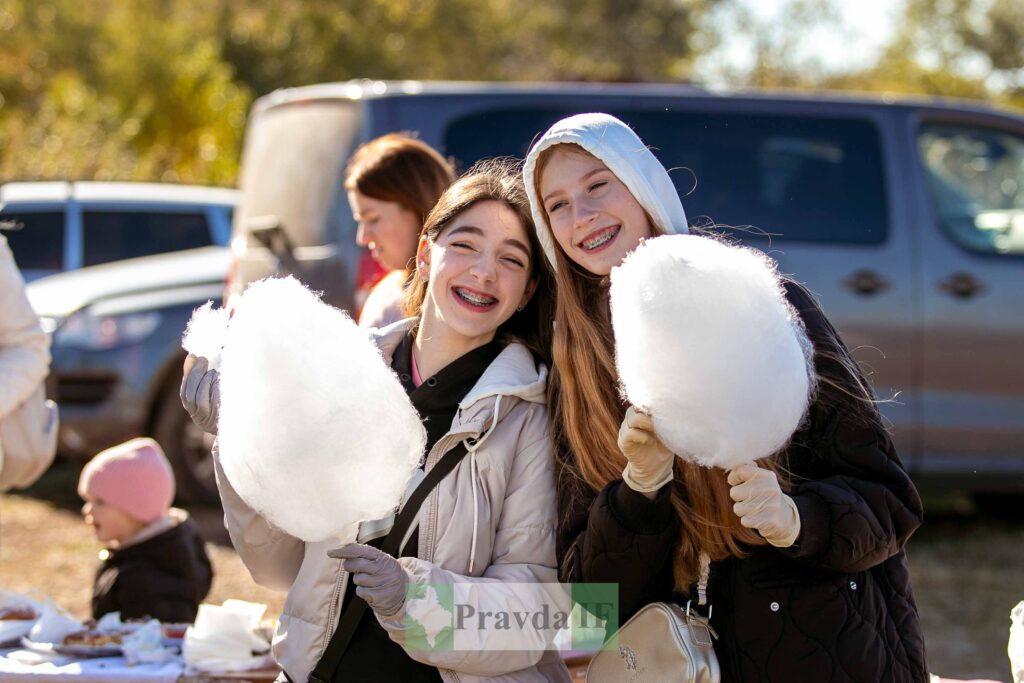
[498, 180]
[587, 410]
[399, 168]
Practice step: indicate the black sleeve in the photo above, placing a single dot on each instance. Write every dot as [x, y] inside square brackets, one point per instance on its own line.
[857, 504]
[618, 536]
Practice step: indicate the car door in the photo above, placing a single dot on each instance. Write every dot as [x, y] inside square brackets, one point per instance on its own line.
[970, 182]
[815, 185]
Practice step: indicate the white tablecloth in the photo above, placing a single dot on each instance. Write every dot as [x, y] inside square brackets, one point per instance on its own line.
[28, 666]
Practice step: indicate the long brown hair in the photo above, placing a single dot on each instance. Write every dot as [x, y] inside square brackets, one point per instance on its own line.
[587, 411]
[498, 180]
[399, 168]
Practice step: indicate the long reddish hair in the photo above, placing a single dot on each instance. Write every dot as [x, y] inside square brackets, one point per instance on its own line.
[587, 410]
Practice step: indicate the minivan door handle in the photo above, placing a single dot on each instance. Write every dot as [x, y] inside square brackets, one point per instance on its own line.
[866, 282]
[961, 286]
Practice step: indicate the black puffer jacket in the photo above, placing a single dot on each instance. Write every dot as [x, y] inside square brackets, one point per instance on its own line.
[164, 577]
[837, 606]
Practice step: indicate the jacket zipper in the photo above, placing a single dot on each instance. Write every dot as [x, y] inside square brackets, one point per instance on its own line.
[439, 450]
[442, 448]
[331, 626]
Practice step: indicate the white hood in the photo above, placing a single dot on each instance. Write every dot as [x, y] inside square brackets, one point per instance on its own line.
[512, 373]
[615, 144]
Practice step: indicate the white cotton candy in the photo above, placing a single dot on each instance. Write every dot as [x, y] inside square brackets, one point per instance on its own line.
[708, 345]
[205, 333]
[315, 431]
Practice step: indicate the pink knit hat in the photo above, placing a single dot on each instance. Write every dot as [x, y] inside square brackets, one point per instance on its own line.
[134, 477]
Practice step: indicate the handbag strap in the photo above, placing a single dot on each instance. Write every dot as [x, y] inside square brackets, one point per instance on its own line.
[353, 614]
[702, 579]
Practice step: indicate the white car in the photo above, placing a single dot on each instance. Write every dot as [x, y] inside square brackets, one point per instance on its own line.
[58, 226]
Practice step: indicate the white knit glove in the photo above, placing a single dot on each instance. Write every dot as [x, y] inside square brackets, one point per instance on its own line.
[650, 463]
[761, 505]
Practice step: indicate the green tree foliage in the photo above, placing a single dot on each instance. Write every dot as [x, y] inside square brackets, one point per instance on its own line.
[955, 48]
[775, 44]
[293, 42]
[978, 37]
[159, 89]
[139, 89]
[123, 89]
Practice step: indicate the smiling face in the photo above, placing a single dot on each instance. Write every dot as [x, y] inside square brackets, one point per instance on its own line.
[478, 274]
[594, 217]
[388, 229]
[110, 523]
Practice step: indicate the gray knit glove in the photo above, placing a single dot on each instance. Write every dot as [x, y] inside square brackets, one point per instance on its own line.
[200, 393]
[378, 577]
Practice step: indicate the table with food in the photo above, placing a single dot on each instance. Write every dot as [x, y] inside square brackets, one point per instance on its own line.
[39, 641]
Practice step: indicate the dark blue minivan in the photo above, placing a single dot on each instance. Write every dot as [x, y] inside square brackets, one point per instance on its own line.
[905, 217]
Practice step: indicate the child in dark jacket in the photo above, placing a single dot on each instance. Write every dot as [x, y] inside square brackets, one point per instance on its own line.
[154, 563]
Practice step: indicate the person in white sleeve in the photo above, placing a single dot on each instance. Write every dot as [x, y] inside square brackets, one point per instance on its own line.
[27, 421]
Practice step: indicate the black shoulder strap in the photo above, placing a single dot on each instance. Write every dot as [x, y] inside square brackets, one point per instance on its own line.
[353, 614]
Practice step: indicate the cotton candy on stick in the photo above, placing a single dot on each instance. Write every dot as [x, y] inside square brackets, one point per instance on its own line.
[205, 333]
[315, 431]
[708, 345]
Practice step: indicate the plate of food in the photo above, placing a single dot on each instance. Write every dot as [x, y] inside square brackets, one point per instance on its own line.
[103, 638]
[78, 646]
[16, 620]
[91, 643]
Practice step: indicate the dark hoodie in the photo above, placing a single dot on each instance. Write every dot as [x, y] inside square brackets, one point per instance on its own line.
[164, 577]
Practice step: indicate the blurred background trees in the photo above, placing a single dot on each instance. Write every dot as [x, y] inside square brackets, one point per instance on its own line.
[139, 90]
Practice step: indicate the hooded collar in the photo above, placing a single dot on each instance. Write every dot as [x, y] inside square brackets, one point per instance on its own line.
[625, 155]
[514, 373]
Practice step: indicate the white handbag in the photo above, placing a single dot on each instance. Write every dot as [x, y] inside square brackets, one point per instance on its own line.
[28, 440]
[662, 642]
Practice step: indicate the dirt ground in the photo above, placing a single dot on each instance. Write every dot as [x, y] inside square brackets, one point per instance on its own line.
[968, 570]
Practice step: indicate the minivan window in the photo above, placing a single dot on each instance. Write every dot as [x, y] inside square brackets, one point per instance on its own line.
[803, 179]
[294, 160]
[36, 238]
[976, 180]
[115, 235]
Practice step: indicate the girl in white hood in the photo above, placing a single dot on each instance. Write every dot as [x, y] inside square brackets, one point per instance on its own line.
[808, 574]
[471, 360]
